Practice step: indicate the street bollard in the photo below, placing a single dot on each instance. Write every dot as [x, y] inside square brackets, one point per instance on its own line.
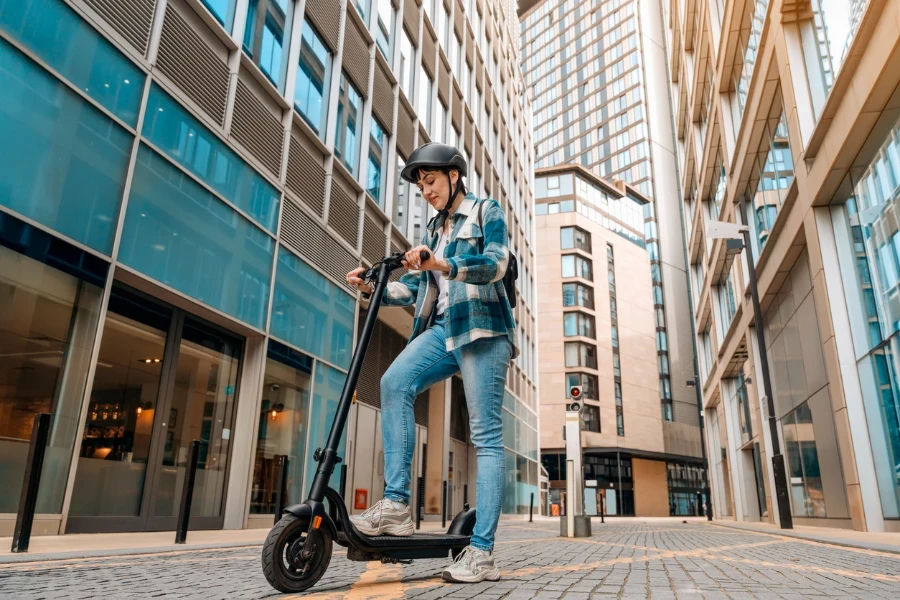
[281, 476]
[40, 431]
[420, 502]
[531, 509]
[444, 506]
[187, 494]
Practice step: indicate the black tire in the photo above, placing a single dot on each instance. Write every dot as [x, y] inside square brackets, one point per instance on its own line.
[284, 569]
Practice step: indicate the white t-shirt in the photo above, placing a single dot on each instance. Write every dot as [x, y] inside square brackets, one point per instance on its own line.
[439, 277]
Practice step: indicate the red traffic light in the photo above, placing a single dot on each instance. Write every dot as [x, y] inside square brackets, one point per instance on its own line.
[575, 392]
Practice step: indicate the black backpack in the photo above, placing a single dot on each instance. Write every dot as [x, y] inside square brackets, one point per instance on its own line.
[512, 266]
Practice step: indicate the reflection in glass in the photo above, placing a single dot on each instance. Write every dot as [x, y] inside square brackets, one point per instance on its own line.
[384, 29]
[202, 401]
[401, 202]
[377, 147]
[47, 325]
[264, 37]
[222, 10]
[807, 495]
[67, 169]
[115, 448]
[349, 118]
[832, 29]
[326, 394]
[771, 179]
[310, 94]
[576, 294]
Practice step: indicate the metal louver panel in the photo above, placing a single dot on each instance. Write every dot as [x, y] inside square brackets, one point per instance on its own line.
[469, 133]
[423, 136]
[411, 20]
[185, 58]
[488, 95]
[479, 6]
[478, 156]
[374, 240]
[496, 116]
[257, 129]
[343, 214]
[305, 177]
[488, 184]
[384, 347]
[405, 131]
[326, 16]
[315, 244]
[383, 99]
[458, 20]
[356, 56]
[470, 48]
[132, 19]
[444, 82]
[488, 29]
[457, 114]
[428, 50]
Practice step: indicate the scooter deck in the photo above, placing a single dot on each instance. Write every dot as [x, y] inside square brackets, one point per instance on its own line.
[416, 540]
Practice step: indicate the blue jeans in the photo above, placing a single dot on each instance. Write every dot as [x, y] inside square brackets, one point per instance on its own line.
[424, 362]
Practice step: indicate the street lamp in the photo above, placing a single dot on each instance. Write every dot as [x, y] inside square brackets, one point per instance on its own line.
[737, 237]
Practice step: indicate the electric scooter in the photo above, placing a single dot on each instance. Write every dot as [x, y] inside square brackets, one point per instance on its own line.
[298, 549]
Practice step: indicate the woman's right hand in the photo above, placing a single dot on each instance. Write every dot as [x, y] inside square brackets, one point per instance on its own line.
[354, 279]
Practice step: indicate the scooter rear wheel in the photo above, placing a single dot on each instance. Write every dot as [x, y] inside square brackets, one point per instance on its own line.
[293, 557]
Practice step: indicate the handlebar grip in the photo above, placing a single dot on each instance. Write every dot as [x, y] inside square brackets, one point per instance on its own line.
[425, 255]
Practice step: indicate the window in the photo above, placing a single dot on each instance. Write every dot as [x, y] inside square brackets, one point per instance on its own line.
[185, 237]
[807, 493]
[401, 203]
[576, 266]
[579, 354]
[264, 37]
[311, 89]
[63, 172]
[362, 7]
[574, 237]
[576, 323]
[384, 34]
[423, 99]
[407, 65]
[587, 382]
[222, 10]
[174, 131]
[591, 416]
[377, 151]
[349, 116]
[577, 294]
[726, 302]
[770, 180]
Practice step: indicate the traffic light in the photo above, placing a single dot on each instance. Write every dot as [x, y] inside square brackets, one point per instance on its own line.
[575, 394]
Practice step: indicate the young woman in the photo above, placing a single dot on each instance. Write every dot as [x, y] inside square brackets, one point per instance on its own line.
[463, 324]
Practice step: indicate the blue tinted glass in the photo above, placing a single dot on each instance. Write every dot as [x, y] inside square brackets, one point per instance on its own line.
[181, 235]
[376, 151]
[329, 383]
[62, 162]
[174, 131]
[222, 10]
[315, 64]
[346, 147]
[76, 51]
[310, 312]
[264, 37]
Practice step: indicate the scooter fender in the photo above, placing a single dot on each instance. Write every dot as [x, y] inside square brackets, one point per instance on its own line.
[463, 523]
[312, 509]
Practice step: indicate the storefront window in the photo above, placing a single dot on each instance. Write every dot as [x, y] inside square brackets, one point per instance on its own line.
[70, 160]
[807, 495]
[48, 320]
[284, 413]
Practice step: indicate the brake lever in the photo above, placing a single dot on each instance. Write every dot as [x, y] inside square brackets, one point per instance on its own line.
[370, 274]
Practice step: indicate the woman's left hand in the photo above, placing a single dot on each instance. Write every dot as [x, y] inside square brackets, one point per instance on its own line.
[413, 260]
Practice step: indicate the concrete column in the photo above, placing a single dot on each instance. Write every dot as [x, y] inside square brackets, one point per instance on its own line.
[438, 459]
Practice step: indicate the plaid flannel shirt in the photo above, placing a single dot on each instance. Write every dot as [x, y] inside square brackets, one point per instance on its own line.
[477, 306]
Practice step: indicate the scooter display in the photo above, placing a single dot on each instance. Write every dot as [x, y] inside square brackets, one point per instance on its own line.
[298, 549]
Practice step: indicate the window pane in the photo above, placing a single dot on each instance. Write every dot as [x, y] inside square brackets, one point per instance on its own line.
[64, 163]
[76, 51]
[222, 10]
[568, 266]
[174, 131]
[401, 203]
[181, 235]
[407, 65]
[384, 34]
[377, 143]
[310, 93]
[567, 238]
[264, 37]
[349, 118]
[321, 323]
[328, 384]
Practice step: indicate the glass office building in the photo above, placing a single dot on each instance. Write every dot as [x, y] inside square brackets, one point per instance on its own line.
[183, 187]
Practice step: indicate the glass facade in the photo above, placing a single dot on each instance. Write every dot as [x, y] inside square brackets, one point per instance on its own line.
[349, 118]
[520, 437]
[264, 38]
[313, 74]
[377, 151]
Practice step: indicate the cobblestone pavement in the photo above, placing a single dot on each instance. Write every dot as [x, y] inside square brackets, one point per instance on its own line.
[626, 560]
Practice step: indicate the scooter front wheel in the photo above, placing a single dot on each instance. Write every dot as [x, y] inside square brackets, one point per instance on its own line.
[294, 557]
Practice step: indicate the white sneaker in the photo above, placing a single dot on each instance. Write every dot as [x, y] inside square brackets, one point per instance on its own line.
[383, 519]
[472, 566]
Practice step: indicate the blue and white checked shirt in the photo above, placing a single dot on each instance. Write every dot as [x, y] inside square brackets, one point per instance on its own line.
[477, 306]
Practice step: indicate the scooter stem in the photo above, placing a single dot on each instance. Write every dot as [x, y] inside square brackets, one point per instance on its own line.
[328, 458]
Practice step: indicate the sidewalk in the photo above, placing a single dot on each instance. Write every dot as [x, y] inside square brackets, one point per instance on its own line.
[88, 545]
[885, 542]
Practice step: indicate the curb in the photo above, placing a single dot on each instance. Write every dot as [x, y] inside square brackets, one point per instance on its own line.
[873, 546]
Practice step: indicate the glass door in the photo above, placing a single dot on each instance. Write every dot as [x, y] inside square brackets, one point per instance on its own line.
[163, 380]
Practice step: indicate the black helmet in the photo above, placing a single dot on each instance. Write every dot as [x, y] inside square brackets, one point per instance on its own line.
[436, 156]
